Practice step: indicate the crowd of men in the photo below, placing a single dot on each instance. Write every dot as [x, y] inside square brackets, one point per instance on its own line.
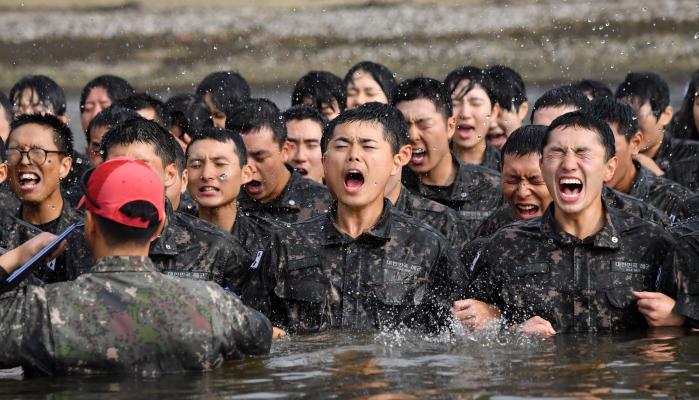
[214, 222]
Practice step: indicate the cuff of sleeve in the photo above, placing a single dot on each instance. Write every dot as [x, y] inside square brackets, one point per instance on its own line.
[689, 307]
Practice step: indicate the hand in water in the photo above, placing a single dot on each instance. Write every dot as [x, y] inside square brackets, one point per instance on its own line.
[657, 309]
[278, 333]
[21, 254]
[537, 326]
[474, 314]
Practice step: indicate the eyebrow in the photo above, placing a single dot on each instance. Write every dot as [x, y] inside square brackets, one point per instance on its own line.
[258, 153]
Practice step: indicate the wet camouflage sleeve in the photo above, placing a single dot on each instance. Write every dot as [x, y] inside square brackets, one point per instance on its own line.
[686, 275]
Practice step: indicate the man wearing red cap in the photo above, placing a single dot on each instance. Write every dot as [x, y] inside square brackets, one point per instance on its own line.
[123, 316]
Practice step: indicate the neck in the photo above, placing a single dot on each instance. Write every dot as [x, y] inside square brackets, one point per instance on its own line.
[393, 195]
[626, 182]
[443, 174]
[652, 149]
[101, 249]
[223, 216]
[279, 187]
[354, 221]
[583, 224]
[473, 155]
[44, 212]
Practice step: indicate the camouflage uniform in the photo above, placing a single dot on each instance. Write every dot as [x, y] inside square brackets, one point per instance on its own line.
[668, 196]
[532, 268]
[492, 158]
[475, 192]
[316, 278]
[253, 233]
[8, 201]
[124, 317]
[301, 199]
[686, 271]
[187, 204]
[685, 172]
[674, 150]
[70, 185]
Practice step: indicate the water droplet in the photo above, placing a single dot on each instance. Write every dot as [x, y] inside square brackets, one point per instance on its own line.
[696, 35]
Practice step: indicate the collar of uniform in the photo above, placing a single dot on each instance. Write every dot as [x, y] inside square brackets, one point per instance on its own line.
[641, 186]
[67, 216]
[607, 237]
[402, 201]
[166, 242]
[491, 157]
[457, 190]
[283, 201]
[664, 152]
[123, 264]
[381, 231]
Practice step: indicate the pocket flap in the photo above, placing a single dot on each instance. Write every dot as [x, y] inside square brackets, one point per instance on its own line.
[534, 268]
[620, 297]
[302, 290]
[305, 262]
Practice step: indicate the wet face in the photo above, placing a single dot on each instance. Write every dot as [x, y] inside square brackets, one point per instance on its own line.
[4, 125]
[28, 102]
[93, 146]
[429, 132]
[267, 162]
[32, 181]
[473, 115]
[546, 115]
[146, 153]
[625, 150]
[303, 141]
[97, 100]
[523, 186]
[364, 89]
[330, 111]
[218, 117]
[215, 175]
[358, 164]
[575, 169]
[496, 136]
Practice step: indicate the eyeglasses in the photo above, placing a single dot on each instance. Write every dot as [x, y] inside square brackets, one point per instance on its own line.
[35, 156]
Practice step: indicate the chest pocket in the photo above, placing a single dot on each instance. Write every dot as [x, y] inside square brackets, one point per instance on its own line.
[521, 270]
[400, 272]
[638, 276]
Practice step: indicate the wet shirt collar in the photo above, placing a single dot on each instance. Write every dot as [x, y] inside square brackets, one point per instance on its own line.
[379, 232]
[455, 191]
[642, 185]
[123, 264]
[607, 237]
[166, 243]
[285, 200]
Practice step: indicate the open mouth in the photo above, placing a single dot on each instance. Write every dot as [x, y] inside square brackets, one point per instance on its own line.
[570, 189]
[254, 187]
[28, 180]
[527, 211]
[465, 131]
[354, 180]
[208, 190]
[301, 171]
[418, 157]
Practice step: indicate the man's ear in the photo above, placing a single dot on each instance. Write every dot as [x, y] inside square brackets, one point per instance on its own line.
[286, 151]
[63, 118]
[89, 224]
[610, 169]
[401, 159]
[159, 230]
[170, 175]
[246, 174]
[185, 180]
[636, 143]
[3, 172]
[451, 127]
[665, 117]
[64, 167]
[523, 110]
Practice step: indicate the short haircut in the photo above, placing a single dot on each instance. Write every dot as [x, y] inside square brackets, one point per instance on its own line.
[139, 130]
[321, 88]
[428, 89]
[596, 88]
[613, 111]
[683, 124]
[6, 105]
[508, 87]
[49, 93]
[562, 96]
[117, 88]
[584, 120]
[301, 112]
[62, 135]
[524, 141]
[226, 88]
[180, 160]
[225, 136]
[646, 87]
[141, 101]
[390, 119]
[475, 76]
[3, 156]
[256, 114]
[115, 233]
[189, 113]
[379, 73]
[109, 118]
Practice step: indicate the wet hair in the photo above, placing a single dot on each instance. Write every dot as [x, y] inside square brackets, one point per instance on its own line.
[475, 76]
[683, 124]
[142, 101]
[115, 234]
[62, 135]
[109, 117]
[189, 113]
[524, 141]
[225, 136]
[117, 88]
[391, 120]
[584, 120]
[613, 111]
[256, 114]
[646, 87]
[226, 88]
[49, 93]
[6, 105]
[321, 87]
[379, 73]
[140, 130]
[301, 112]
[596, 88]
[562, 96]
[428, 89]
[3, 156]
[180, 160]
[509, 89]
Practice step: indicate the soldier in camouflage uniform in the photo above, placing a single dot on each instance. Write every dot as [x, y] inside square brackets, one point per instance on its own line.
[583, 266]
[363, 265]
[123, 316]
[275, 192]
[686, 271]
[472, 190]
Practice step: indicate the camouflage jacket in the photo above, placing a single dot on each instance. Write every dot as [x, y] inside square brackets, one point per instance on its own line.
[668, 196]
[685, 172]
[253, 233]
[301, 199]
[187, 204]
[124, 317]
[70, 185]
[674, 150]
[492, 158]
[686, 271]
[532, 268]
[474, 194]
[8, 200]
[315, 278]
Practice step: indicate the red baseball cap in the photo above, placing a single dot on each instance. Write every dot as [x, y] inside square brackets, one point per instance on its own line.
[119, 181]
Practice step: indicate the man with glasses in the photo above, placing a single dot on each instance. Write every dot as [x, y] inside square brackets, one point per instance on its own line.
[37, 158]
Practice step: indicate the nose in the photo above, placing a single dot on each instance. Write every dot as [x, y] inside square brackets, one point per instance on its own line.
[300, 154]
[523, 190]
[207, 171]
[414, 134]
[569, 162]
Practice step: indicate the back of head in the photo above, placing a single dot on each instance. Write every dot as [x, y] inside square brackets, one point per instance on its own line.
[62, 135]
[524, 141]
[584, 120]
[380, 73]
[226, 88]
[110, 117]
[117, 88]
[613, 111]
[475, 76]
[142, 101]
[562, 96]
[226, 137]
[48, 93]
[188, 113]
[428, 89]
[256, 114]
[594, 89]
[320, 88]
[391, 120]
[139, 130]
[302, 112]
[508, 87]
[645, 87]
